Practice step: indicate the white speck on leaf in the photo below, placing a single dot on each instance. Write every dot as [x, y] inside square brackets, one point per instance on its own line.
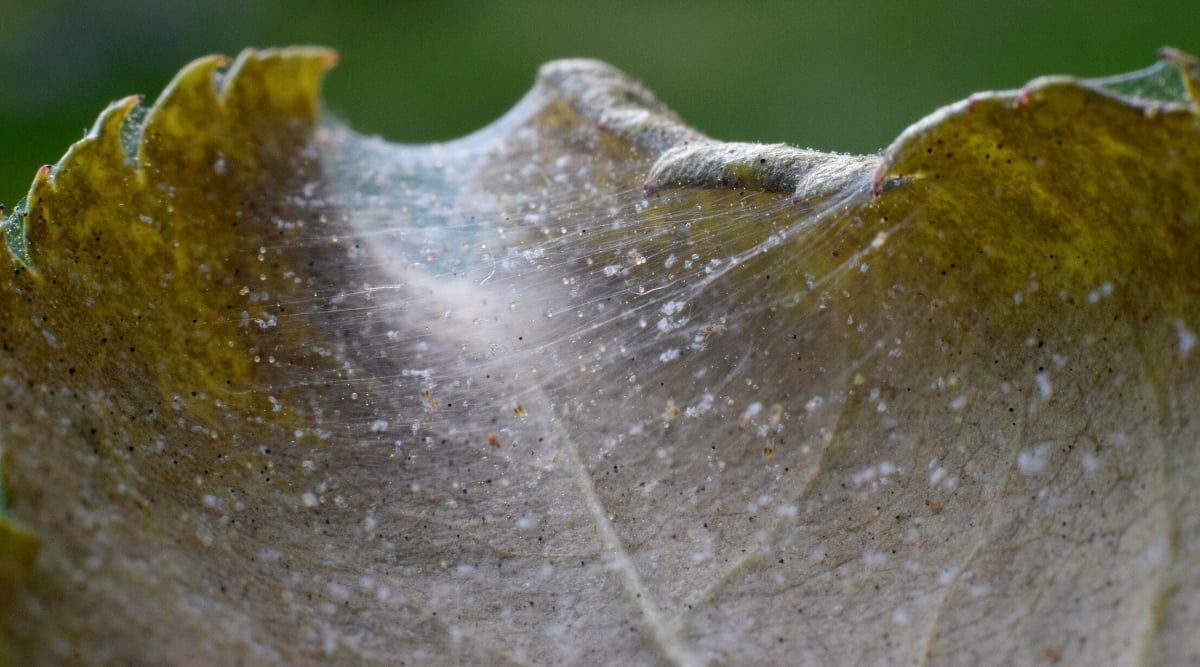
[1033, 460]
[1187, 338]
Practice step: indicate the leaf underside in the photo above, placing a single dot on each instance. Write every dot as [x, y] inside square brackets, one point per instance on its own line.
[588, 386]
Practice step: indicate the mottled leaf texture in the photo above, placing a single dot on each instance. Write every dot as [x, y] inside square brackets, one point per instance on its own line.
[588, 387]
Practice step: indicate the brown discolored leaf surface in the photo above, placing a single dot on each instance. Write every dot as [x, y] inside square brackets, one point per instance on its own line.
[588, 386]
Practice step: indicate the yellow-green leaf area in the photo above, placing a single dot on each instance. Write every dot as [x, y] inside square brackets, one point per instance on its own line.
[1046, 175]
[130, 296]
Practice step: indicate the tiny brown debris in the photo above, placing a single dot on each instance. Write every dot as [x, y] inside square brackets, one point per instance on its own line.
[432, 404]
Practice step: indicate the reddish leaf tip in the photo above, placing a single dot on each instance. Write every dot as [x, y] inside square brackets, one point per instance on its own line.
[1177, 57]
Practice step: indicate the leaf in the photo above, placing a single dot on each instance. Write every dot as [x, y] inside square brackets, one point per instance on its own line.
[588, 386]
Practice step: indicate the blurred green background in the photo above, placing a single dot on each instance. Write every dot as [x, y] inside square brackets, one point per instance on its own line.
[833, 75]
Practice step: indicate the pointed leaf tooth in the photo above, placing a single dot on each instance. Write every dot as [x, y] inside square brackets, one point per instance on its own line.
[15, 239]
[91, 167]
[1189, 69]
[27, 221]
[97, 163]
[112, 120]
[186, 109]
[271, 87]
[95, 169]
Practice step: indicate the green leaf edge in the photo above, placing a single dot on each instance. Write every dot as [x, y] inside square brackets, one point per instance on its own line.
[218, 89]
[112, 129]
